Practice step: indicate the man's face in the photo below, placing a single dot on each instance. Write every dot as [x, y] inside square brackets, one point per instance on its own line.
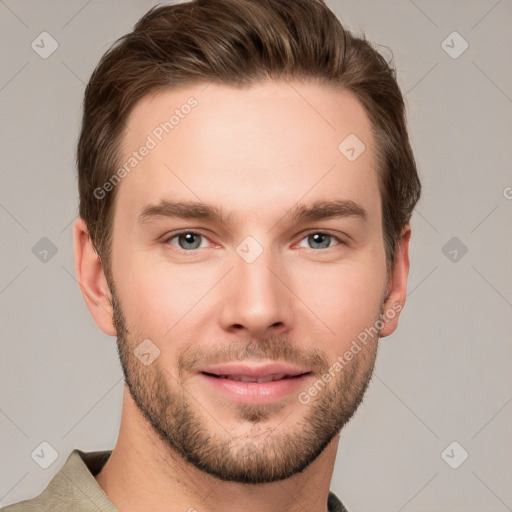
[260, 287]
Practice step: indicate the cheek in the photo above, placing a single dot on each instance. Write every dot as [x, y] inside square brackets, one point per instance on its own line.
[152, 299]
[346, 297]
[161, 300]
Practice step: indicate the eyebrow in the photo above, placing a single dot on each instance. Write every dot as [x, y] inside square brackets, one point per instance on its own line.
[318, 210]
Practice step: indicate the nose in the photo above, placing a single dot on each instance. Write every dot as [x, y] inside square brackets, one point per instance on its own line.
[256, 298]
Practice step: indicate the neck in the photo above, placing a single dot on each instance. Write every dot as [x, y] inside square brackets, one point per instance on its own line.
[143, 473]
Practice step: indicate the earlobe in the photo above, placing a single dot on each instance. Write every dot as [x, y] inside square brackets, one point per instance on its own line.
[397, 285]
[91, 277]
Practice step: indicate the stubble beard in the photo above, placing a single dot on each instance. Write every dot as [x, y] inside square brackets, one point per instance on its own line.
[274, 454]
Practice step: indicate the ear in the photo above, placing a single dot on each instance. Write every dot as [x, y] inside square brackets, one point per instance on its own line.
[397, 284]
[91, 278]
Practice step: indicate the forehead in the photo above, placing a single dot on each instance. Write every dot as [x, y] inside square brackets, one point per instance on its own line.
[252, 150]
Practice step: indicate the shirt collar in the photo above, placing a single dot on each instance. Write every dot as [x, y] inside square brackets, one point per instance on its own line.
[81, 468]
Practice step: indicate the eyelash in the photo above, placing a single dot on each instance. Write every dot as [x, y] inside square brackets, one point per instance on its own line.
[313, 232]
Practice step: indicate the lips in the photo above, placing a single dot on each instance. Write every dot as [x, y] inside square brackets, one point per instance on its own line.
[261, 384]
[247, 378]
[267, 372]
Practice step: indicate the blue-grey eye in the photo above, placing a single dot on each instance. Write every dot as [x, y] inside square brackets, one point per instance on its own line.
[187, 240]
[320, 240]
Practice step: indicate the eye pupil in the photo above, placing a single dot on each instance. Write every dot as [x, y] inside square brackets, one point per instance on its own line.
[320, 238]
[189, 240]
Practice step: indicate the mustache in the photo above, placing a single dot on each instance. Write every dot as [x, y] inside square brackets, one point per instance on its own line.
[273, 348]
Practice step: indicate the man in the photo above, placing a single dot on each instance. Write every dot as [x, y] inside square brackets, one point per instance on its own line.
[246, 184]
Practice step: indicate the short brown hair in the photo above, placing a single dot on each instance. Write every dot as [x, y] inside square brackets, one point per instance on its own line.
[241, 43]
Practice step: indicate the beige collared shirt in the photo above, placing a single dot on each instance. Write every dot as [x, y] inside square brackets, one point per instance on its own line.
[74, 489]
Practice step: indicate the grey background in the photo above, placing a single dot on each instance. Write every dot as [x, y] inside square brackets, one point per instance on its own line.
[445, 374]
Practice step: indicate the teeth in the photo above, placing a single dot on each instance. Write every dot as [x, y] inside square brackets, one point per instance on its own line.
[245, 378]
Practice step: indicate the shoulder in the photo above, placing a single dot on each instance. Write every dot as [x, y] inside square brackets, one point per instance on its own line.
[72, 488]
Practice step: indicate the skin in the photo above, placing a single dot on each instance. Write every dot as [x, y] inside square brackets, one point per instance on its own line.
[255, 153]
